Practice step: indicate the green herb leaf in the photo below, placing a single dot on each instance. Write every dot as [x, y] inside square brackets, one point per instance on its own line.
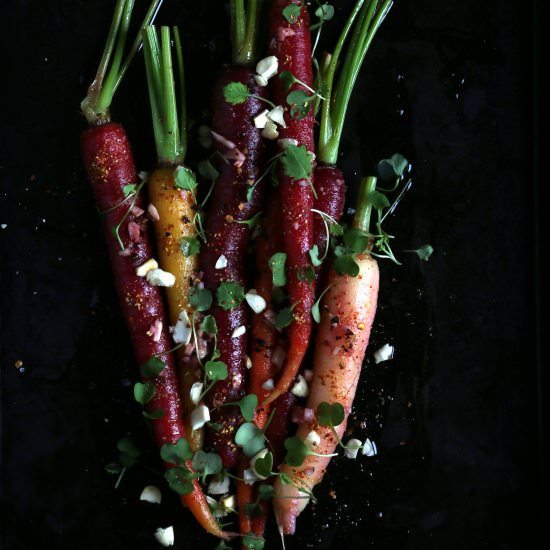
[207, 170]
[252, 221]
[152, 368]
[325, 12]
[155, 415]
[277, 266]
[143, 393]
[300, 103]
[185, 179]
[291, 13]
[394, 167]
[336, 230]
[113, 468]
[297, 162]
[264, 465]
[235, 93]
[250, 438]
[129, 189]
[296, 451]
[177, 453]
[330, 414]
[306, 274]
[266, 491]
[207, 463]
[247, 405]
[128, 452]
[179, 480]
[346, 264]
[253, 509]
[216, 370]
[250, 540]
[315, 310]
[283, 318]
[222, 546]
[190, 246]
[378, 200]
[200, 298]
[314, 255]
[424, 252]
[209, 325]
[230, 295]
[356, 240]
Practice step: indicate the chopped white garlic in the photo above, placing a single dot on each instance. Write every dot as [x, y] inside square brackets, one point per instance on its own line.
[195, 392]
[217, 487]
[260, 80]
[165, 536]
[239, 331]
[250, 476]
[369, 448]
[270, 131]
[268, 385]
[312, 440]
[352, 448]
[228, 503]
[283, 143]
[199, 417]
[277, 115]
[385, 353]
[300, 388]
[267, 67]
[248, 362]
[221, 263]
[151, 494]
[159, 277]
[255, 301]
[182, 331]
[261, 120]
[149, 265]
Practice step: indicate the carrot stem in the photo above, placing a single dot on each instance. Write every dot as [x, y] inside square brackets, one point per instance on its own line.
[363, 212]
[244, 23]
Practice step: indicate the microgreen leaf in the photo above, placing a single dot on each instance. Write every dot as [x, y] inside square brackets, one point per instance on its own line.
[277, 266]
[315, 311]
[230, 295]
[235, 93]
[190, 246]
[222, 546]
[264, 465]
[247, 405]
[128, 452]
[330, 414]
[296, 451]
[250, 540]
[216, 370]
[265, 491]
[209, 325]
[179, 480]
[394, 167]
[207, 170]
[336, 230]
[314, 255]
[152, 368]
[325, 12]
[143, 393]
[176, 453]
[346, 264]
[200, 298]
[154, 415]
[184, 179]
[378, 200]
[129, 189]
[424, 252]
[283, 318]
[297, 162]
[250, 438]
[288, 79]
[306, 274]
[251, 222]
[207, 463]
[356, 240]
[113, 468]
[291, 13]
[300, 103]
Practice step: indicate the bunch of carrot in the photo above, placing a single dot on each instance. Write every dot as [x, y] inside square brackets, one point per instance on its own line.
[223, 367]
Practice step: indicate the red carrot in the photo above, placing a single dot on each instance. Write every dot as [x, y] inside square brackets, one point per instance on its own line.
[110, 167]
[290, 42]
[235, 201]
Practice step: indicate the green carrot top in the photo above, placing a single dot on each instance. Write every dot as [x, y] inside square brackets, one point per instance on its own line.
[113, 65]
[244, 27]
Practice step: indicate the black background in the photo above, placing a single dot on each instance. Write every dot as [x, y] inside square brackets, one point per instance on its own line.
[456, 415]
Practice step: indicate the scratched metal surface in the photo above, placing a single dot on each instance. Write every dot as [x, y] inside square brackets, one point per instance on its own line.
[448, 85]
